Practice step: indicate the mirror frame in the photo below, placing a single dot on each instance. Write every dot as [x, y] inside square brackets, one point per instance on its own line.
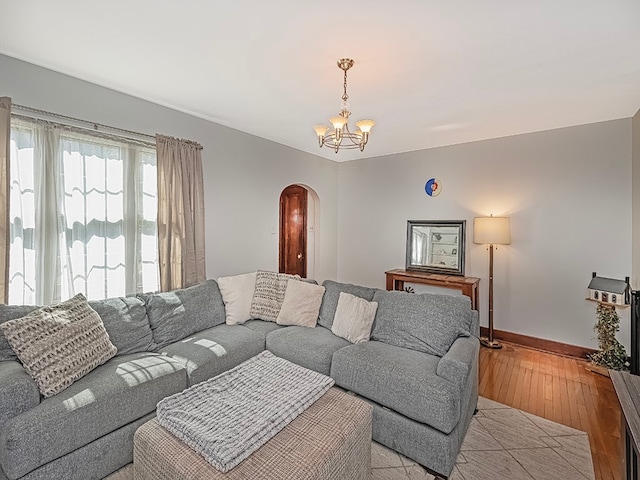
[432, 268]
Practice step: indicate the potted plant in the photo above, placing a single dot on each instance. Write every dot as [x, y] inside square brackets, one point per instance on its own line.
[612, 354]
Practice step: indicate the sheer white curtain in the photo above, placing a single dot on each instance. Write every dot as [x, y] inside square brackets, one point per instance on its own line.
[83, 211]
[180, 213]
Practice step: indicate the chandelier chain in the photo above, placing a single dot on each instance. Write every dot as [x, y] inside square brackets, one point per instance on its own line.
[345, 97]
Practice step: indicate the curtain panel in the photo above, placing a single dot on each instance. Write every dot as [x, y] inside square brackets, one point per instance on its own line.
[83, 214]
[181, 247]
[5, 168]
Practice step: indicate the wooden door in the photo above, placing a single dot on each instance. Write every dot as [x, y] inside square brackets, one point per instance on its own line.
[293, 231]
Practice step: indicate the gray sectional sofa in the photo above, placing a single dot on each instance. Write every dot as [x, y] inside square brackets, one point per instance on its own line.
[419, 371]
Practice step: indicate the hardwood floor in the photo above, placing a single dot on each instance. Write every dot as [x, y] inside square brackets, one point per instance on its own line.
[560, 389]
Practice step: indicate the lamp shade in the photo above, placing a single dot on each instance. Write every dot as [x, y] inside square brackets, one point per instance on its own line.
[320, 130]
[365, 125]
[491, 230]
[338, 121]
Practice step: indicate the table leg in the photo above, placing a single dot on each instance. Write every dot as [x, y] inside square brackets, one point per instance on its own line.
[472, 292]
[476, 297]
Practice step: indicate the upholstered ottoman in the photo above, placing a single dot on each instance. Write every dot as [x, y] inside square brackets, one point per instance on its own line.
[329, 440]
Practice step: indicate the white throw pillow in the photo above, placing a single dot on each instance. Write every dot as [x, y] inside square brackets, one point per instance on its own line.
[237, 294]
[354, 318]
[301, 304]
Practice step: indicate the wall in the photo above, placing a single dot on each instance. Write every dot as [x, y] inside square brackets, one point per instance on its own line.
[635, 148]
[567, 191]
[243, 174]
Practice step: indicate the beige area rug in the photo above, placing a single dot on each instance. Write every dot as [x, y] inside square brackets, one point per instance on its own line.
[502, 443]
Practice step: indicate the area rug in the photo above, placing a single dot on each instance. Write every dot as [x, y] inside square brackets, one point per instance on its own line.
[502, 443]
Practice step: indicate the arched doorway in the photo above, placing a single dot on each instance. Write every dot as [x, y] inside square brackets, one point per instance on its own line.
[297, 244]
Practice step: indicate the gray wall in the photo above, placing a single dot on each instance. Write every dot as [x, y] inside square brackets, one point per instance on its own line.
[567, 191]
[244, 174]
[635, 147]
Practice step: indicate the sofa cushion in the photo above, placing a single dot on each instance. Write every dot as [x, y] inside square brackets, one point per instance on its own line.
[262, 327]
[301, 304]
[114, 394]
[354, 318]
[11, 312]
[269, 294]
[428, 323]
[332, 295]
[177, 314]
[125, 320]
[237, 294]
[308, 347]
[94, 460]
[400, 379]
[59, 344]
[215, 350]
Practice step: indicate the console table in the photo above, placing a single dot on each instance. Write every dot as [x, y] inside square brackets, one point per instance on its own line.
[468, 285]
[628, 391]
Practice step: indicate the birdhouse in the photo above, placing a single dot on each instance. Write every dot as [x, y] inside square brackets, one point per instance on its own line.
[609, 290]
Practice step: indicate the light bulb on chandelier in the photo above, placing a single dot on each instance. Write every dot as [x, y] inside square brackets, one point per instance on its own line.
[340, 136]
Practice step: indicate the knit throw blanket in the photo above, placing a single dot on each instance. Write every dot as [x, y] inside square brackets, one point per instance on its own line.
[228, 417]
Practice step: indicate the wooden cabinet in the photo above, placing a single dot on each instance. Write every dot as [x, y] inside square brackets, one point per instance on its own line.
[467, 285]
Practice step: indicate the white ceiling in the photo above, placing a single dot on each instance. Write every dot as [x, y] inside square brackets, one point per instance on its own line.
[430, 73]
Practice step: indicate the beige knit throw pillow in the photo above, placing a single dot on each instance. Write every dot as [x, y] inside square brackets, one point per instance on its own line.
[269, 294]
[59, 344]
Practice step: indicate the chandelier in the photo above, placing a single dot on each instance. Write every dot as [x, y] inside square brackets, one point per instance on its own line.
[340, 136]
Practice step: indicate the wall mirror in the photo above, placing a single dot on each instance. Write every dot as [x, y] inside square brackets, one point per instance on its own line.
[436, 246]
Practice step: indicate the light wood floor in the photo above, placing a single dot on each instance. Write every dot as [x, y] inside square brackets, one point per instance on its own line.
[560, 389]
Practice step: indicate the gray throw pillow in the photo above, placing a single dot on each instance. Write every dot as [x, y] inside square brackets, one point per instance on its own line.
[427, 322]
[332, 295]
[177, 314]
[59, 344]
[11, 312]
[127, 324]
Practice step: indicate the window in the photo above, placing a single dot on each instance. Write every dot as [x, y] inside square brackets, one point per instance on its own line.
[83, 214]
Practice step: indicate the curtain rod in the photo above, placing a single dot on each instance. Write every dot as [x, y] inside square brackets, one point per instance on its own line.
[86, 122]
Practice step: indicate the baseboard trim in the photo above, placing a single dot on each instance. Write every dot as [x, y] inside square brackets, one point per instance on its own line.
[540, 343]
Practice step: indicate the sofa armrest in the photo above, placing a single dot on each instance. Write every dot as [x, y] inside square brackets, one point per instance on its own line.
[475, 324]
[18, 391]
[458, 361]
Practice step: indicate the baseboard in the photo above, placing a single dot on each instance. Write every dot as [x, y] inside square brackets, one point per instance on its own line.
[540, 343]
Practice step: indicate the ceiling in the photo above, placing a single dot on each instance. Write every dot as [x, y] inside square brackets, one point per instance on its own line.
[430, 73]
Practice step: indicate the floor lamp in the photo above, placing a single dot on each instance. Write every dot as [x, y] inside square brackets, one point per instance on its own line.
[492, 231]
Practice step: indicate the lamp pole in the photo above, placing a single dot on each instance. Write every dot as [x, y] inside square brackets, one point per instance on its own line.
[491, 231]
[490, 342]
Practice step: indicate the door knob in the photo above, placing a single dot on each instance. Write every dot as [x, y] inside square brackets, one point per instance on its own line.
[299, 256]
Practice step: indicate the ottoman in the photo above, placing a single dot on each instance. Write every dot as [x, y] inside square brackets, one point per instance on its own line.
[329, 440]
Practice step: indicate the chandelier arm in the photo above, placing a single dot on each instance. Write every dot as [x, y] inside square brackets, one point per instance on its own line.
[351, 136]
[330, 141]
